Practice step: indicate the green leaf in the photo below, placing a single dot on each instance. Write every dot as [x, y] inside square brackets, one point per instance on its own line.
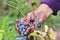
[1, 36]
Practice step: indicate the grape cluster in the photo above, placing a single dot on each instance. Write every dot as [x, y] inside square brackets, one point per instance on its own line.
[23, 28]
[21, 38]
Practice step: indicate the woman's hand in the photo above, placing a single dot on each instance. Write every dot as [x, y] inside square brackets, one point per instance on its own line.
[43, 13]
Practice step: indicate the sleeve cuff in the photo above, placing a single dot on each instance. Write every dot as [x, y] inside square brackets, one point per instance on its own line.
[52, 4]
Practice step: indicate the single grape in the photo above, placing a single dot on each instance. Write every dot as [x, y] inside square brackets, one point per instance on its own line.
[25, 33]
[18, 38]
[16, 35]
[22, 34]
[25, 27]
[30, 24]
[37, 23]
[11, 23]
[19, 24]
[23, 30]
[9, 29]
[22, 38]
[17, 20]
[22, 27]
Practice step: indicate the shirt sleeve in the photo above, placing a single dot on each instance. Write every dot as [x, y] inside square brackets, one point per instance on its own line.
[53, 4]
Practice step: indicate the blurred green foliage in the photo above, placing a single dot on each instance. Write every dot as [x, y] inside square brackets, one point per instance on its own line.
[8, 14]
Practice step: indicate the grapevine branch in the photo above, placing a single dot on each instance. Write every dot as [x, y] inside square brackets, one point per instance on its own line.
[19, 2]
[16, 8]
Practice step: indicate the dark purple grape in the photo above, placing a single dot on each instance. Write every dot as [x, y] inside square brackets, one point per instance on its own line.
[23, 30]
[22, 34]
[25, 27]
[18, 38]
[17, 20]
[21, 27]
[9, 29]
[31, 23]
[25, 33]
[16, 35]
[11, 23]
[21, 38]
[38, 23]
[19, 24]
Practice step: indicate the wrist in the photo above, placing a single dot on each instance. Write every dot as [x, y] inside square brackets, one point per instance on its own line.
[45, 8]
[44, 12]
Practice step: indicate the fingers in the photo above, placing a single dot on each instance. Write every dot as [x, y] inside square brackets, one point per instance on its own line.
[17, 29]
[30, 29]
[30, 16]
[25, 21]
